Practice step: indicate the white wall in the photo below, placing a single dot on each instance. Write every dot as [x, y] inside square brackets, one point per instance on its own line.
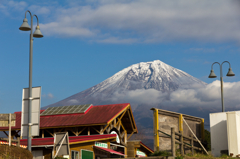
[233, 130]
[218, 129]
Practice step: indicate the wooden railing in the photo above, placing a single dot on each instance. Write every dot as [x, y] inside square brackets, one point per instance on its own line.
[179, 138]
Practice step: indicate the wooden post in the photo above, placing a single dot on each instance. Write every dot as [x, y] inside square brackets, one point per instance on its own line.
[192, 145]
[42, 133]
[18, 142]
[181, 140]
[156, 128]
[9, 132]
[88, 130]
[173, 141]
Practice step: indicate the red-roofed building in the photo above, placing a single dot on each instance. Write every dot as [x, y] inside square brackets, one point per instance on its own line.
[108, 125]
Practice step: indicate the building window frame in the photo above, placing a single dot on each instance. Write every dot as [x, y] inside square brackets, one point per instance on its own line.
[74, 157]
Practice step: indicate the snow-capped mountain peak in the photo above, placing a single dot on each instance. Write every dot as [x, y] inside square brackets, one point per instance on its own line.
[144, 75]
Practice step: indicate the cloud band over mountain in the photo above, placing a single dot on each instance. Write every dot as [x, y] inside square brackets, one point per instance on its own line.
[206, 97]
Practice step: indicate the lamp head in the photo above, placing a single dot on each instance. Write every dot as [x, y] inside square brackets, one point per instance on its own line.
[25, 26]
[37, 33]
[230, 72]
[212, 74]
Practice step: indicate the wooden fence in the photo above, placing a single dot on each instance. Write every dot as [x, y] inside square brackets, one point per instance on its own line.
[179, 138]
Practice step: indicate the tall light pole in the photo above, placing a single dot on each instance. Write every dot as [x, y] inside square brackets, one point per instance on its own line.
[37, 34]
[212, 75]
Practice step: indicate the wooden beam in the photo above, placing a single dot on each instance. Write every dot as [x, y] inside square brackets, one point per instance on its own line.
[77, 130]
[81, 131]
[122, 135]
[96, 130]
[114, 122]
[88, 130]
[5, 133]
[50, 133]
[43, 133]
[111, 125]
[121, 116]
[101, 132]
[125, 137]
[118, 127]
[108, 130]
[130, 135]
[122, 126]
[72, 131]
[130, 119]
[105, 128]
[16, 134]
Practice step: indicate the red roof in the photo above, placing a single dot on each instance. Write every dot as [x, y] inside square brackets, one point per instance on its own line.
[100, 114]
[72, 139]
[109, 150]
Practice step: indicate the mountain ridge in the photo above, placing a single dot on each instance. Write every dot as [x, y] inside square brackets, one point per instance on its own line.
[141, 76]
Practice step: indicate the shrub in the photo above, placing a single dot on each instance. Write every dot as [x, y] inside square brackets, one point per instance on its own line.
[161, 153]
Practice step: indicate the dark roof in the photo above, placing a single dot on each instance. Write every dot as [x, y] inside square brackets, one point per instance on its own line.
[146, 147]
[101, 114]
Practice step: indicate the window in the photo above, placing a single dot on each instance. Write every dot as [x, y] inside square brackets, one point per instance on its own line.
[75, 155]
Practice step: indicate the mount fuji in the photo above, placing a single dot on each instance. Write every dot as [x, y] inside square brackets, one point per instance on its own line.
[143, 85]
[144, 76]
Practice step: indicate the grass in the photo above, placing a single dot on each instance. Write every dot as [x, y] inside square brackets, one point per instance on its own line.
[204, 156]
[161, 153]
[11, 152]
[190, 156]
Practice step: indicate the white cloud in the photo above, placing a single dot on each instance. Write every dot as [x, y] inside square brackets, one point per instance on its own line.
[207, 97]
[17, 5]
[39, 10]
[6, 7]
[49, 96]
[55, 28]
[150, 21]
[114, 40]
[138, 21]
[72, 101]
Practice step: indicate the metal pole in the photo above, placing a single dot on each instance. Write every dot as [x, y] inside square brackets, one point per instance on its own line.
[222, 94]
[221, 80]
[30, 90]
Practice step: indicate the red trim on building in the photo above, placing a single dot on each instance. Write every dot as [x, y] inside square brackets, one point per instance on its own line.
[109, 150]
[72, 139]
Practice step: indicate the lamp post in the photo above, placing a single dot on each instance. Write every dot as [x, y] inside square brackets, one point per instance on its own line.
[212, 75]
[37, 34]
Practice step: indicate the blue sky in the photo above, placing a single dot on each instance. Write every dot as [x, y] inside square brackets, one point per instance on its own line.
[86, 42]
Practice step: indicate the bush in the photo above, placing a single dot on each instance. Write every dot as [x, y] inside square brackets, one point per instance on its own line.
[161, 153]
[179, 157]
[207, 141]
[14, 152]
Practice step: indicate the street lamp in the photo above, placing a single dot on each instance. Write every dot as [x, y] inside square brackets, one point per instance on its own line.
[36, 34]
[212, 75]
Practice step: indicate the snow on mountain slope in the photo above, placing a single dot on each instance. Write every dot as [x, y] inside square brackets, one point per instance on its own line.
[142, 76]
